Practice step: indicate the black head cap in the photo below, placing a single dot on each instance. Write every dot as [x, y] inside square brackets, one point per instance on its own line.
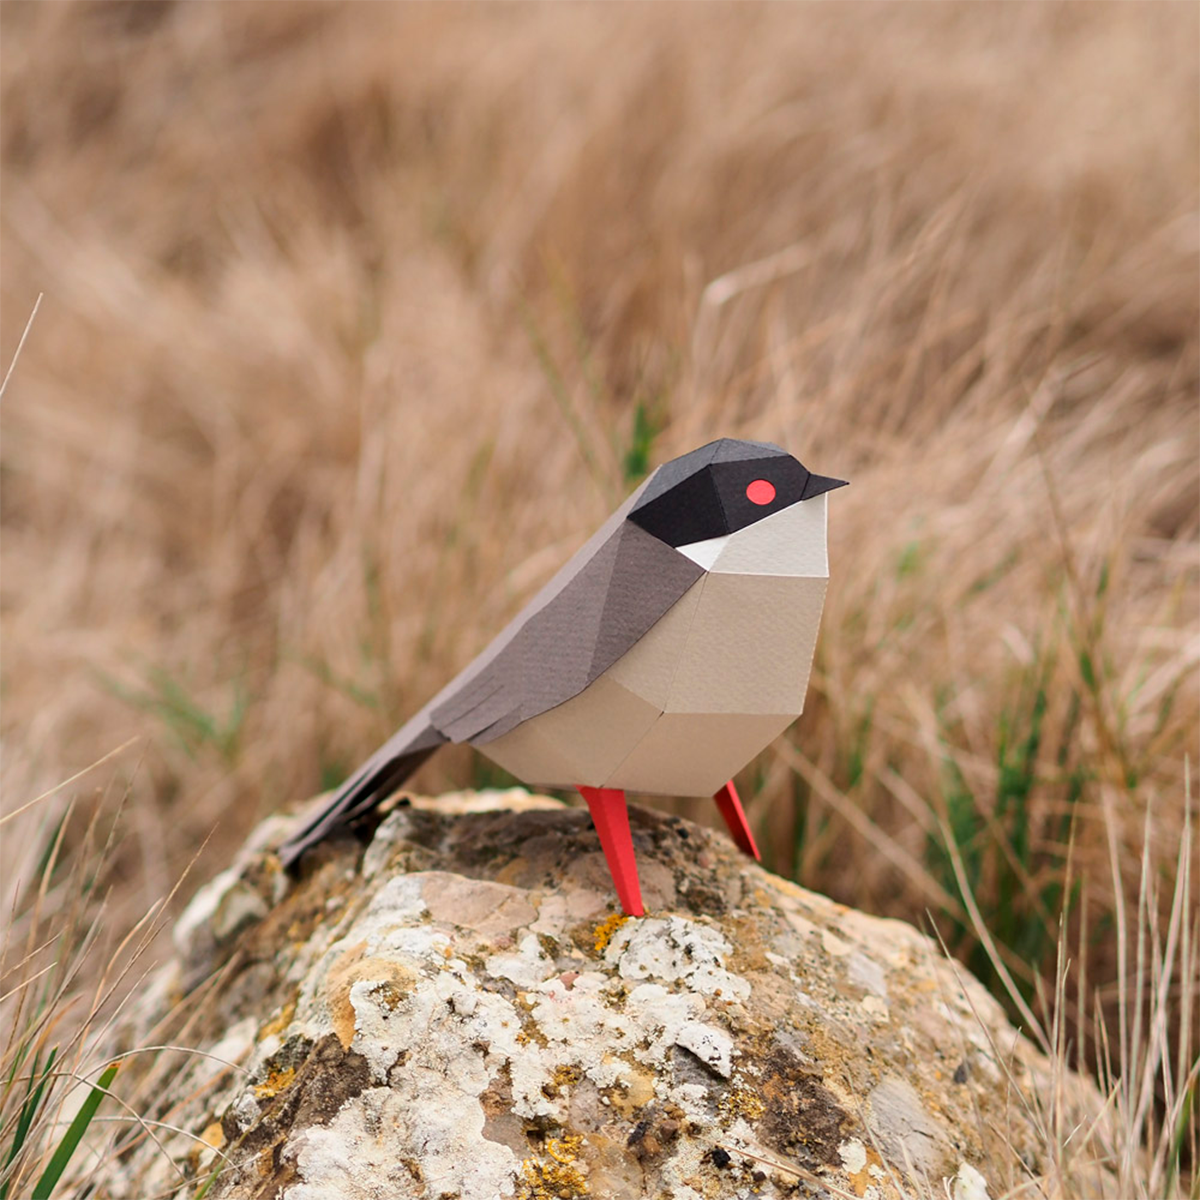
[721, 488]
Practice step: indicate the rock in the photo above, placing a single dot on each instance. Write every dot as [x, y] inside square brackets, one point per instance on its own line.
[458, 1012]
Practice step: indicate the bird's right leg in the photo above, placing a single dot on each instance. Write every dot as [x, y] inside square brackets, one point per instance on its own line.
[611, 819]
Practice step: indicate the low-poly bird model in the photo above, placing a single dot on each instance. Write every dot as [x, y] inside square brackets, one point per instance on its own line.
[662, 658]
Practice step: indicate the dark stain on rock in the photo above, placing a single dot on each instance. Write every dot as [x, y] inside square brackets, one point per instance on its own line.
[802, 1116]
[656, 1132]
[703, 899]
[279, 1174]
[421, 827]
[290, 1057]
[500, 1123]
[639, 1132]
[583, 937]
[687, 1067]
[306, 906]
[491, 838]
[327, 1078]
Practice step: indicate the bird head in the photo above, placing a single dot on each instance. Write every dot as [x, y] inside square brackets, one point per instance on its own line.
[739, 506]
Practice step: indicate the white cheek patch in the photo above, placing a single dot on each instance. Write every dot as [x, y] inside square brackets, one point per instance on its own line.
[705, 553]
[788, 542]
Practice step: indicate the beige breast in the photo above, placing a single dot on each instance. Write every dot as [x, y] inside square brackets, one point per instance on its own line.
[711, 685]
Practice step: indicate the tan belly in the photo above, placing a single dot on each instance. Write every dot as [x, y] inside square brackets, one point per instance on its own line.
[710, 686]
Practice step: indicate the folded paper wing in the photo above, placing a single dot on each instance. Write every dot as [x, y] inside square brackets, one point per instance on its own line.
[608, 596]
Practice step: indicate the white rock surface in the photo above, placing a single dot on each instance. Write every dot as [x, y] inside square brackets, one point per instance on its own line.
[458, 1014]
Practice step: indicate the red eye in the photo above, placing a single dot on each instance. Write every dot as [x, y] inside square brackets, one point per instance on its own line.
[761, 491]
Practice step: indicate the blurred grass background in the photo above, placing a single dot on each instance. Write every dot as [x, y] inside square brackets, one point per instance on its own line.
[359, 318]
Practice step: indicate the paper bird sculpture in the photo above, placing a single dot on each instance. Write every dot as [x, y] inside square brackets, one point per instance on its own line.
[662, 658]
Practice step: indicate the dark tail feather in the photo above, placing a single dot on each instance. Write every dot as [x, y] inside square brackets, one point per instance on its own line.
[372, 783]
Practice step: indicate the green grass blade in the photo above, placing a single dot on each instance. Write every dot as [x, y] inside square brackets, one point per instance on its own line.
[33, 1091]
[83, 1118]
[33, 1100]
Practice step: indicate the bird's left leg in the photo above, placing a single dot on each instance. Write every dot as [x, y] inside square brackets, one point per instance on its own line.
[611, 818]
[735, 818]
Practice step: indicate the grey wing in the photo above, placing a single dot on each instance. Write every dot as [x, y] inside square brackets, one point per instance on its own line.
[605, 598]
[563, 643]
[478, 683]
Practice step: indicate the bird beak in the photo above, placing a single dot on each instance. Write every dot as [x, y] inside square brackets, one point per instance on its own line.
[821, 483]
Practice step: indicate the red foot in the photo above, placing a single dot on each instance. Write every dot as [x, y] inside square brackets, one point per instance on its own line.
[611, 818]
[735, 818]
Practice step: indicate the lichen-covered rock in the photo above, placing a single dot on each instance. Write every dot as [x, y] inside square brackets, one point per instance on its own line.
[458, 1012]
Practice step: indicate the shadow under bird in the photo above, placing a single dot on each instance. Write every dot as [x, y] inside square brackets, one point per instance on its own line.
[667, 653]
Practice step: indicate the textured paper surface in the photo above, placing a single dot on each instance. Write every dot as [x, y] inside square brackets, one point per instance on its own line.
[638, 666]
[648, 668]
[695, 754]
[789, 542]
[580, 742]
[619, 594]
[750, 646]
[719, 676]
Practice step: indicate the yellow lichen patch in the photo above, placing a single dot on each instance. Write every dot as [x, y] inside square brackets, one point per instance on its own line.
[214, 1136]
[603, 933]
[565, 1150]
[741, 1101]
[275, 1082]
[558, 1179]
[862, 1164]
[393, 982]
[278, 1023]
[388, 995]
[562, 1077]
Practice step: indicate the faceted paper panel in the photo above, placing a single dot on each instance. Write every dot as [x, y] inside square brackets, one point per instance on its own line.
[750, 646]
[648, 668]
[789, 542]
[696, 754]
[580, 742]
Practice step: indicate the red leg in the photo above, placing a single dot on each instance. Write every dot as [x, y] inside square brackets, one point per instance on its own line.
[735, 818]
[611, 818]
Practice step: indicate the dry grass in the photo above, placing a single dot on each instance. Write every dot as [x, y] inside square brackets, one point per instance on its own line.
[66, 974]
[358, 318]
